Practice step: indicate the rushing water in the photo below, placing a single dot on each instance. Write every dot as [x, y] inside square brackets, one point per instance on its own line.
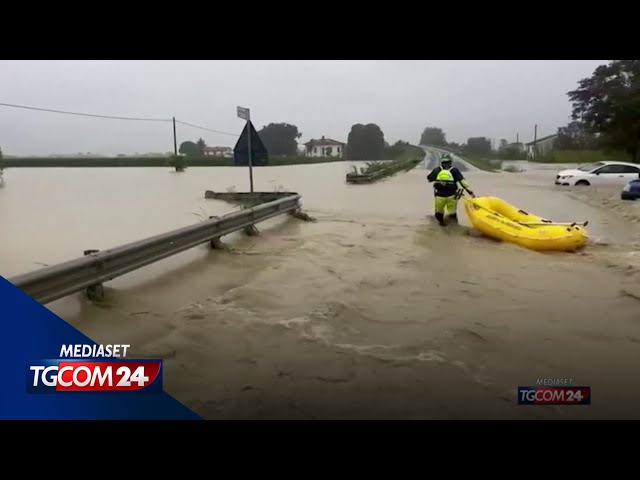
[370, 312]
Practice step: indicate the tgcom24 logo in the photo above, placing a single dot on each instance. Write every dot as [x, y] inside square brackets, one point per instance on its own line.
[94, 368]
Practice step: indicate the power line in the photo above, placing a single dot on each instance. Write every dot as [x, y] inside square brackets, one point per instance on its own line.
[86, 114]
[117, 117]
[208, 129]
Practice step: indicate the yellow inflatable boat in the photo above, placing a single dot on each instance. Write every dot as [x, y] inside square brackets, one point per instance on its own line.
[498, 219]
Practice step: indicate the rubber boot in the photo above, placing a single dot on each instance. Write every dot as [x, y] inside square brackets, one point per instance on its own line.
[440, 218]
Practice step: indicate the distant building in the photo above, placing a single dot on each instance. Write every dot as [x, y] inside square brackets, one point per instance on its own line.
[325, 147]
[540, 147]
[218, 152]
[519, 146]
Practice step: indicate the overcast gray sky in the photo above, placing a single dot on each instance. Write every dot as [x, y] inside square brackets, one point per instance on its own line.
[491, 98]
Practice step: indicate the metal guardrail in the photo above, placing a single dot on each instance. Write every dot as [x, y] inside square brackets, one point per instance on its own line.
[392, 167]
[57, 281]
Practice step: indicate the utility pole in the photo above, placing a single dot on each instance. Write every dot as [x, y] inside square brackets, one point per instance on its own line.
[535, 137]
[175, 140]
[249, 146]
[245, 114]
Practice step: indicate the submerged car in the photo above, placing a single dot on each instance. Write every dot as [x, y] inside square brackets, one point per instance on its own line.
[599, 173]
[631, 191]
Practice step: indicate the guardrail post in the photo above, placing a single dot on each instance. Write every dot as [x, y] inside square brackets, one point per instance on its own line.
[95, 293]
[300, 215]
[251, 230]
[215, 242]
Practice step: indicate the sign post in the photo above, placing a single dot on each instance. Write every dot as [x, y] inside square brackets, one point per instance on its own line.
[245, 114]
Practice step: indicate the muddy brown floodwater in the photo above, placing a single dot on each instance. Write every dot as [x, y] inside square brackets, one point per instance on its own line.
[372, 312]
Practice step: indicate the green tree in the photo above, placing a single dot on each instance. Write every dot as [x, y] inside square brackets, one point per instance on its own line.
[395, 150]
[608, 103]
[188, 148]
[433, 136]
[178, 162]
[503, 144]
[365, 142]
[280, 138]
[201, 146]
[478, 146]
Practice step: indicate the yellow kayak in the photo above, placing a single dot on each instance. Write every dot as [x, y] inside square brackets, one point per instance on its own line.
[498, 219]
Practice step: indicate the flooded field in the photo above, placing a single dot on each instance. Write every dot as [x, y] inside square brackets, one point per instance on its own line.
[373, 311]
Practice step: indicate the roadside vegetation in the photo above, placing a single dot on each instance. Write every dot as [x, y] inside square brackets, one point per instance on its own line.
[154, 161]
[486, 164]
[583, 156]
[178, 162]
[405, 160]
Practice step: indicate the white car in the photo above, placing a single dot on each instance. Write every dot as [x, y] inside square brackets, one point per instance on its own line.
[600, 173]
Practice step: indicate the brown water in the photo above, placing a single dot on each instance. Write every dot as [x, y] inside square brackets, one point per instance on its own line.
[371, 312]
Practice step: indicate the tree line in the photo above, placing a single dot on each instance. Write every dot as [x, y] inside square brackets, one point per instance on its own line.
[605, 115]
[606, 107]
[364, 142]
[475, 146]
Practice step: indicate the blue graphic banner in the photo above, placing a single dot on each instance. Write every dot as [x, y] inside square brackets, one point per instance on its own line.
[87, 389]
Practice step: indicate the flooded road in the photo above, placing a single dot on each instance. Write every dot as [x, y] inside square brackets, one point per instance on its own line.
[373, 311]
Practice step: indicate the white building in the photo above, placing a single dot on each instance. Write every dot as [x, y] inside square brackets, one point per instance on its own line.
[226, 152]
[325, 147]
[540, 147]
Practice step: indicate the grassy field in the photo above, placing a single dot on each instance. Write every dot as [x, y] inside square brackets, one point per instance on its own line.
[556, 156]
[150, 161]
[486, 164]
[301, 160]
[583, 156]
[166, 161]
[494, 164]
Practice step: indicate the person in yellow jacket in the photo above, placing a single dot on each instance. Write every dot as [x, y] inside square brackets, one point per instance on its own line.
[445, 179]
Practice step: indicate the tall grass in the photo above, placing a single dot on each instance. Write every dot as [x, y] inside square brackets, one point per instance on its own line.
[486, 164]
[583, 156]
